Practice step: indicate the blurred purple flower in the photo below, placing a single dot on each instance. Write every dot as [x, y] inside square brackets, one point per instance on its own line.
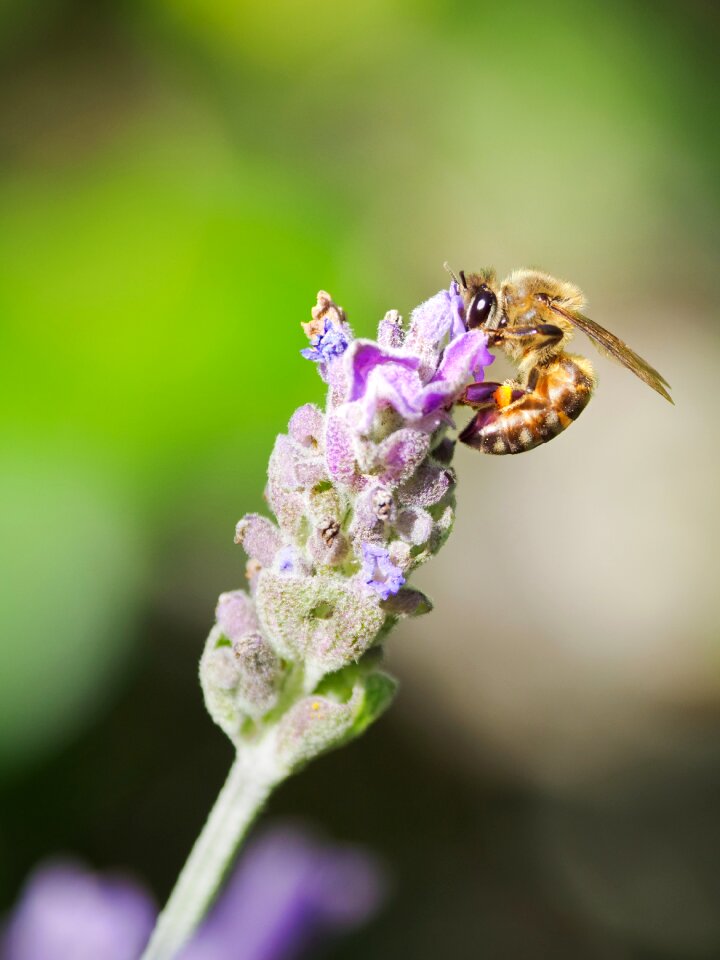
[68, 913]
[379, 572]
[289, 890]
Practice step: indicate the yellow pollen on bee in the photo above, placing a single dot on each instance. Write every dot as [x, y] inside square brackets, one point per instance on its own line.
[315, 705]
[503, 395]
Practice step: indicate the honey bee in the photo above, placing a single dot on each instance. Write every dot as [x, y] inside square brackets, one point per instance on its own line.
[532, 317]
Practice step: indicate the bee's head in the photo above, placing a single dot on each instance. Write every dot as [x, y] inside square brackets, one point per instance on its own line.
[528, 296]
[480, 295]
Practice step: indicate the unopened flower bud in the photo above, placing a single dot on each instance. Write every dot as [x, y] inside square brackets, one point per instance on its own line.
[307, 426]
[400, 454]
[340, 450]
[218, 677]
[323, 619]
[414, 525]
[260, 538]
[235, 613]
[258, 670]
[427, 486]
[407, 603]
[367, 525]
[324, 504]
[399, 553]
[390, 330]
[327, 546]
[322, 722]
[314, 725]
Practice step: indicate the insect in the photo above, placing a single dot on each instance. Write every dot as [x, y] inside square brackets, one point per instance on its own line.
[532, 317]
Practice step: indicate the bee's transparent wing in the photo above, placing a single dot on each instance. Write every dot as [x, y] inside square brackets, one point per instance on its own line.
[618, 350]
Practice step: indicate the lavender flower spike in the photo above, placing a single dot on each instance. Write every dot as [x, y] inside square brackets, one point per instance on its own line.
[362, 494]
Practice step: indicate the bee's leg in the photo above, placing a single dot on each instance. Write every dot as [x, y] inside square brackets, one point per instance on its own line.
[488, 393]
[540, 334]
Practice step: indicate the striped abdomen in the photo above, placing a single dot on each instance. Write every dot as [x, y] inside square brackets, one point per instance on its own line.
[562, 391]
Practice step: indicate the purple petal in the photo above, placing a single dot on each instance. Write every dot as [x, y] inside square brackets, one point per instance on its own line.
[327, 346]
[439, 395]
[379, 572]
[390, 385]
[466, 356]
[365, 356]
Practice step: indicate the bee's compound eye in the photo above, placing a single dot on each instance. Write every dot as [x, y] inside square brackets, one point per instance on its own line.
[481, 307]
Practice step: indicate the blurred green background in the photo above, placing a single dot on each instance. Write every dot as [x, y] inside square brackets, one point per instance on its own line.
[178, 178]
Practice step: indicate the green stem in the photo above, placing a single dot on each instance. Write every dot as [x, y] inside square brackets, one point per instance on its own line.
[251, 779]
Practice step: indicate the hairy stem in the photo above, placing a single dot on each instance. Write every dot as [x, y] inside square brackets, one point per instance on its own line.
[251, 779]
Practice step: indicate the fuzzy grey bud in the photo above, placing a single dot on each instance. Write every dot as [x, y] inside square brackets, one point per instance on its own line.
[327, 546]
[323, 619]
[390, 330]
[407, 603]
[400, 454]
[218, 677]
[258, 674]
[414, 525]
[307, 427]
[327, 719]
[235, 613]
[259, 537]
[427, 486]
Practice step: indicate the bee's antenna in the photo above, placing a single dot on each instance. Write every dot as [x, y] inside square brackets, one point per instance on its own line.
[452, 274]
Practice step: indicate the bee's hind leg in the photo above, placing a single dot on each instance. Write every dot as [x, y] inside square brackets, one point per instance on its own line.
[480, 395]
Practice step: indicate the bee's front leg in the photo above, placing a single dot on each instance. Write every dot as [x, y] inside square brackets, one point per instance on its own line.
[539, 335]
